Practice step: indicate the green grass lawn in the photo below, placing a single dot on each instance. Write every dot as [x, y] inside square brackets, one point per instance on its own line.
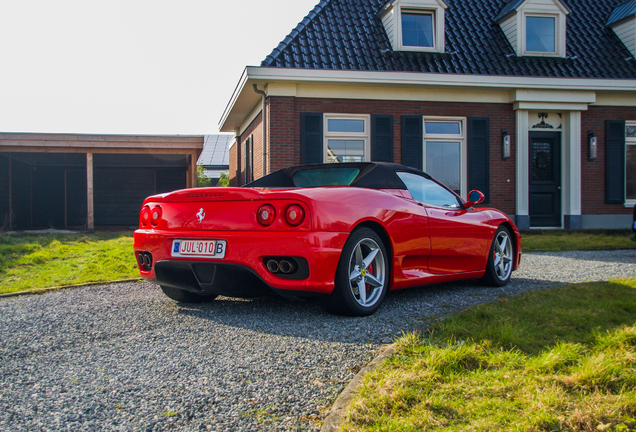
[568, 240]
[557, 360]
[41, 261]
[47, 260]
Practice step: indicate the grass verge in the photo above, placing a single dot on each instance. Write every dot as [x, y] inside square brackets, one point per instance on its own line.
[556, 360]
[42, 261]
[575, 240]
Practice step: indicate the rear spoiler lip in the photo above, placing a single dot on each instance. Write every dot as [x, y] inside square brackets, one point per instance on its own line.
[207, 195]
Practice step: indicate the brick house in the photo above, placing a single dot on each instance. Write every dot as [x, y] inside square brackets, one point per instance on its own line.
[533, 102]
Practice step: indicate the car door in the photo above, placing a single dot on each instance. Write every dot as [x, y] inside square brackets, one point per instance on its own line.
[458, 237]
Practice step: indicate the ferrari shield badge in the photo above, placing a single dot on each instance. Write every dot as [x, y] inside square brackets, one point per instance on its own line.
[201, 215]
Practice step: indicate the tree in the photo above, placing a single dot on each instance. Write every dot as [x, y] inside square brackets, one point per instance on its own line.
[202, 180]
[224, 181]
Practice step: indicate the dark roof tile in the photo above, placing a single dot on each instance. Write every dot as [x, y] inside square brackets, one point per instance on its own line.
[347, 35]
[621, 12]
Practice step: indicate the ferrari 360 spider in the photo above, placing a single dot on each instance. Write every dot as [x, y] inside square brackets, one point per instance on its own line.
[347, 232]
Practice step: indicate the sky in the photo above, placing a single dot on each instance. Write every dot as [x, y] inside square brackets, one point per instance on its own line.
[133, 66]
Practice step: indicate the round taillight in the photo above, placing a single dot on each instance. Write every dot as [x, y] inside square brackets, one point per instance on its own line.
[294, 215]
[145, 215]
[266, 214]
[155, 215]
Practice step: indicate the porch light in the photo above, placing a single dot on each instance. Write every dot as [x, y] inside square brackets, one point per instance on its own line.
[505, 153]
[593, 146]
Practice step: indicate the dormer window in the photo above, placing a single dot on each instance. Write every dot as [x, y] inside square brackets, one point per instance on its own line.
[540, 34]
[417, 29]
[414, 25]
[535, 27]
[623, 21]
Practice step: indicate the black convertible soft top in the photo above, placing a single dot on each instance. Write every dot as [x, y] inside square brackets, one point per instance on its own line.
[371, 175]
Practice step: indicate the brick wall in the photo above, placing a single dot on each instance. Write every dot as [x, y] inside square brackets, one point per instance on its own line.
[285, 132]
[256, 129]
[233, 174]
[284, 140]
[593, 171]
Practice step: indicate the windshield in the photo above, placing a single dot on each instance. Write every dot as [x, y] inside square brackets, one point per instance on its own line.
[325, 177]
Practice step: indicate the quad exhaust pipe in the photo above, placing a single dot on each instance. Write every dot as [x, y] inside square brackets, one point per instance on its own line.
[272, 265]
[285, 266]
[145, 260]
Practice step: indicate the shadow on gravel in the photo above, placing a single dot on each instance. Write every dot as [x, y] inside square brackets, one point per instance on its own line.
[402, 311]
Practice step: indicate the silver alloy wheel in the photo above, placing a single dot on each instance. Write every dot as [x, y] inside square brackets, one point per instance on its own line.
[502, 261]
[367, 272]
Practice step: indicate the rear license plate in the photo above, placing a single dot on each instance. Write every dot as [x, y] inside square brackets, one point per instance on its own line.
[199, 248]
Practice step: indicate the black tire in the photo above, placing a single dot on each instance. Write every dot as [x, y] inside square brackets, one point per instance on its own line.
[372, 274]
[186, 296]
[499, 265]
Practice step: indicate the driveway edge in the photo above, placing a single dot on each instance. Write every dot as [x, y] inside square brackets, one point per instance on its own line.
[336, 416]
[45, 290]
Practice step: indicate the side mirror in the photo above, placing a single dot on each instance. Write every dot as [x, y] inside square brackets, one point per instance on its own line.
[474, 197]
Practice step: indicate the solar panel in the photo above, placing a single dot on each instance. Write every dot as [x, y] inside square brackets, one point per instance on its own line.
[215, 150]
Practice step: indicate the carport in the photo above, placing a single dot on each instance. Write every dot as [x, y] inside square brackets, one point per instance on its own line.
[82, 181]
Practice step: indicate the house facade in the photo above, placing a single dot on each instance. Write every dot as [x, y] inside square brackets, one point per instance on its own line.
[532, 102]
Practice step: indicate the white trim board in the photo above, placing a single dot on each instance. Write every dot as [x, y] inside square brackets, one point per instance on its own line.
[277, 74]
[263, 76]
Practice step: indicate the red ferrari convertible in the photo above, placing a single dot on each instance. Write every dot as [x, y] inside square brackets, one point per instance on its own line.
[348, 232]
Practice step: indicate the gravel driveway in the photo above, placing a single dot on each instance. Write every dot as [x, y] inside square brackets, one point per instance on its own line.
[124, 357]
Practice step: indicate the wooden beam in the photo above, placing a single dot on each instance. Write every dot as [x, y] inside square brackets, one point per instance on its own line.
[65, 202]
[193, 161]
[103, 144]
[17, 149]
[189, 173]
[81, 140]
[90, 216]
[10, 197]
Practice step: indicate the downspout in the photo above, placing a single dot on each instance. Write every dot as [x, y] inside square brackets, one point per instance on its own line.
[264, 111]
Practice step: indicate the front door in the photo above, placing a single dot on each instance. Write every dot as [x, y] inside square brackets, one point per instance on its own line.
[545, 179]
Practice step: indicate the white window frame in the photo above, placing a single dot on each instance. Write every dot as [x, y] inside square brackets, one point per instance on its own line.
[365, 136]
[629, 203]
[438, 26]
[417, 12]
[461, 138]
[559, 35]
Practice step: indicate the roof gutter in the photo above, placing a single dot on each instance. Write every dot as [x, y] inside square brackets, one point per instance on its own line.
[436, 79]
[264, 75]
[264, 116]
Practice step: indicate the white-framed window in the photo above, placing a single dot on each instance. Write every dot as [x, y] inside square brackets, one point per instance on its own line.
[445, 151]
[630, 164]
[536, 28]
[543, 34]
[415, 25]
[540, 34]
[347, 138]
[418, 28]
